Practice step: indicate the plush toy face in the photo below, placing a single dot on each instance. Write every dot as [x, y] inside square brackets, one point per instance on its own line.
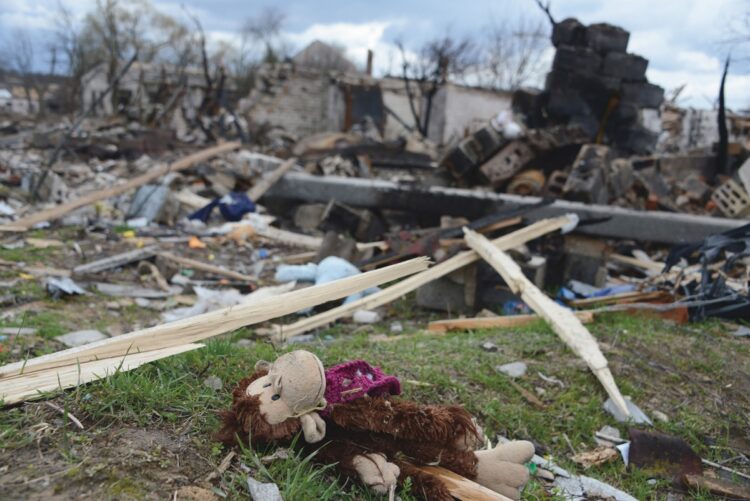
[294, 386]
[268, 390]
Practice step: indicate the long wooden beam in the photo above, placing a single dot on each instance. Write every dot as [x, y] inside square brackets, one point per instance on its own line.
[284, 332]
[199, 327]
[207, 267]
[504, 322]
[37, 383]
[59, 211]
[565, 324]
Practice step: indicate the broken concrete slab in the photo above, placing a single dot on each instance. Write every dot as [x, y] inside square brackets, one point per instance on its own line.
[616, 222]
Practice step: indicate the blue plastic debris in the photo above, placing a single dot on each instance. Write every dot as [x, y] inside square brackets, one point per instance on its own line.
[232, 207]
[330, 269]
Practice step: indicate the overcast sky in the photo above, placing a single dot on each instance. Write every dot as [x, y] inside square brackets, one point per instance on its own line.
[684, 40]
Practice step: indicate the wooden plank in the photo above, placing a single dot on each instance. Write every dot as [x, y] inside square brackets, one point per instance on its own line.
[269, 179]
[565, 324]
[624, 298]
[209, 268]
[59, 211]
[616, 222]
[718, 486]
[461, 487]
[505, 322]
[199, 327]
[116, 261]
[385, 296]
[294, 239]
[37, 383]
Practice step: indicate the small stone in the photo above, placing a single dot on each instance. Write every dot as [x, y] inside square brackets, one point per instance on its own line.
[396, 327]
[513, 369]
[18, 331]
[608, 431]
[115, 330]
[213, 382]
[489, 346]
[540, 391]
[79, 338]
[660, 416]
[142, 302]
[305, 338]
[263, 492]
[485, 313]
[245, 343]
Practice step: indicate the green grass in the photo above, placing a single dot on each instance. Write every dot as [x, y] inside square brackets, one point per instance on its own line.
[661, 366]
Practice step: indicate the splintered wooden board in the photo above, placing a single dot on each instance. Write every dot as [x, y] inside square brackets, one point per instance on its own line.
[15, 377]
[385, 296]
[461, 487]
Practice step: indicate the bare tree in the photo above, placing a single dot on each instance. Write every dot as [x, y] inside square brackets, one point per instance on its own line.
[545, 7]
[77, 53]
[21, 52]
[260, 41]
[514, 53]
[438, 61]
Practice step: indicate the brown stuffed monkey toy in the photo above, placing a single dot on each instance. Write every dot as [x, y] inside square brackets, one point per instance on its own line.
[348, 415]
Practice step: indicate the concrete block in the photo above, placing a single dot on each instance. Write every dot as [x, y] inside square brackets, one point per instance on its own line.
[443, 294]
[587, 181]
[626, 66]
[642, 94]
[584, 260]
[620, 177]
[578, 60]
[566, 103]
[637, 140]
[506, 163]
[489, 141]
[569, 32]
[603, 37]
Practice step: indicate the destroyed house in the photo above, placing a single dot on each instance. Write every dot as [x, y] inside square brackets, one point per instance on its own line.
[320, 90]
[304, 101]
[145, 85]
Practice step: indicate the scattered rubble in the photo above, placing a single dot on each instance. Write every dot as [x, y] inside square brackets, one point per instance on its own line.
[648, 223]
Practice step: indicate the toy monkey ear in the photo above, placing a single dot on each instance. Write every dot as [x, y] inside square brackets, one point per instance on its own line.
[262, 365]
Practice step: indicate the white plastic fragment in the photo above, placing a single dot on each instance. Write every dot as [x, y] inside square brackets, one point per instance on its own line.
[366, 317]
[572, 224]
[637, 416]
